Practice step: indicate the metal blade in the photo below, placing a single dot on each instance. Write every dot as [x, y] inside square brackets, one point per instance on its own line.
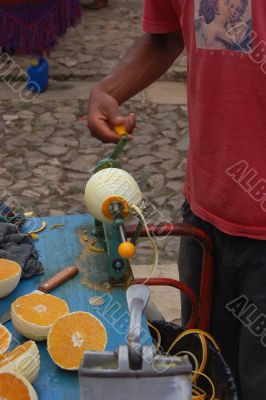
[6, 316]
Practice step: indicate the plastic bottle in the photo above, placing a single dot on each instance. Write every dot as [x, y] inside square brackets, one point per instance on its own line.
[38, 75]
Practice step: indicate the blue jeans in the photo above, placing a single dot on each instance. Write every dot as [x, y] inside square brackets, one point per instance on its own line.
[239, 300]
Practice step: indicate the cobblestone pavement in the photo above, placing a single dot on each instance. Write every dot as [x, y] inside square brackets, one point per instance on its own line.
[91, 49]
[46, 149]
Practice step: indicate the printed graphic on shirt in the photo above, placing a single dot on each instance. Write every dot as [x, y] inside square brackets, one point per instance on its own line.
[224, 24]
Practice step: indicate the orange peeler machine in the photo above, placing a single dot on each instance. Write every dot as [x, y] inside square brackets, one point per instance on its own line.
[136, 371]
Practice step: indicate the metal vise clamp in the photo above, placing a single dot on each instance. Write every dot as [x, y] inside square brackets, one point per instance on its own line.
[135, 372]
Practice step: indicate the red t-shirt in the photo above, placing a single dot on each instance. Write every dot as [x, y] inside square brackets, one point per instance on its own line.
[226, 47]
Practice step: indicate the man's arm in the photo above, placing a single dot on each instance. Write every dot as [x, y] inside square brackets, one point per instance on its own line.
[147, 60]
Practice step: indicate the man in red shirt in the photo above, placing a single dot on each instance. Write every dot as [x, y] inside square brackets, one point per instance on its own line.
[225, 187]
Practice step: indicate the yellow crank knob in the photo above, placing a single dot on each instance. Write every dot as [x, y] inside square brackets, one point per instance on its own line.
[121, 130]
[126, 250]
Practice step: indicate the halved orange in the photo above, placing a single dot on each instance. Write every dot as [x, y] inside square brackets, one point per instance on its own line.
[34, 314]
[5, 339]
[10, 273]
[24, 359]
[72, 335]
[15, 387]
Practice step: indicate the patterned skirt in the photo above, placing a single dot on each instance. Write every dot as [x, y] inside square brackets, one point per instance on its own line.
[31, 27]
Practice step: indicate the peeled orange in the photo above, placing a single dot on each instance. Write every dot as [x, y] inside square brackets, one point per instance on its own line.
[24, 359]
[72, 335]
[33, 314]
[10, 273]
[5, 339]
[15, 387]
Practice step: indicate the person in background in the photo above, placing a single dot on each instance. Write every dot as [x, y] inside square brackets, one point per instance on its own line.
[32, 28]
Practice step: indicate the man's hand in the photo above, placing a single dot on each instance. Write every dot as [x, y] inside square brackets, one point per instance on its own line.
[104, 115]
[144, 63]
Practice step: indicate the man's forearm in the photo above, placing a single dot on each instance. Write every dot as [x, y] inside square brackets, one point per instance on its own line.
[147, 60]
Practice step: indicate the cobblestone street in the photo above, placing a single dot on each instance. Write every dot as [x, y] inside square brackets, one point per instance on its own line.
[91, 49]
[47, 151]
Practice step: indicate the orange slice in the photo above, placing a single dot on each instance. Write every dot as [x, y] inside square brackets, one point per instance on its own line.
[72, 335]
[5, 339]
[24, 359]
[10, 273]
[15, 387]
[34, 314]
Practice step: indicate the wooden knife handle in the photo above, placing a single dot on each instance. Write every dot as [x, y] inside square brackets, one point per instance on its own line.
[58, 279]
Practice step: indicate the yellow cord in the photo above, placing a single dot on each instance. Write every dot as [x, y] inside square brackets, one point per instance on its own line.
[159, 338]
[204, 356]
[197, 392]
[184, 352]
[210, 382]
[194, 358]
[204, 350]
[198, 396]
[153, 243]
[194, 331]
[207, 335]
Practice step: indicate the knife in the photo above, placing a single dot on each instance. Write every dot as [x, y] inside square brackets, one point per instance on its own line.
[46, 287]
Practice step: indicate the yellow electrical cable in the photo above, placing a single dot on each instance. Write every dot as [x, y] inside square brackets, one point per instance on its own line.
[197, 392]
[194, 358]
[207, 335]
[204, 355]
[210, 382]
[154, 245]
[198, 389]
[204, 349]
[199, 372]
[159, 338]
[198, 396]
[194, 331]
[184, 352]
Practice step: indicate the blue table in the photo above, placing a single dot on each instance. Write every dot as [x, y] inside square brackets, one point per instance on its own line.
[58, 248]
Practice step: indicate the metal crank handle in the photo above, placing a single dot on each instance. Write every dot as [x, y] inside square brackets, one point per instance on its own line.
[137, 299]
[120, 130]
[126, 249]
